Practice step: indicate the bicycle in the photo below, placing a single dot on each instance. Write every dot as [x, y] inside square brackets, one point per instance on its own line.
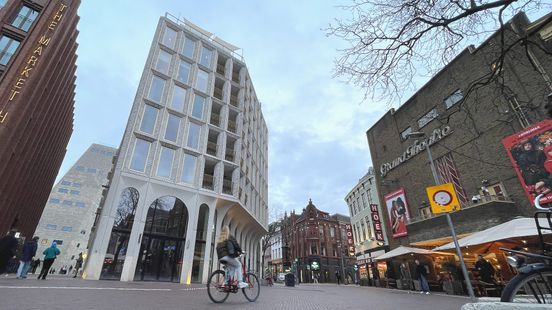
[533, 283]
[220, 286]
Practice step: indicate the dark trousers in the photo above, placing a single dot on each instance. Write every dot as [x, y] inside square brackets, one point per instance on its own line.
[45, 267]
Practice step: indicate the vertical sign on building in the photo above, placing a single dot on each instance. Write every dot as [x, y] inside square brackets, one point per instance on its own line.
[376, 221]
[350, 240]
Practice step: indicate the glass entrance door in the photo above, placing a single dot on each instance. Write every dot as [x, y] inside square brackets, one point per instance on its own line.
[160, 259]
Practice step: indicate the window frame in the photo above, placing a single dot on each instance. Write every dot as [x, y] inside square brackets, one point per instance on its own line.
[426, 118]
[454, 94]
[134, 152]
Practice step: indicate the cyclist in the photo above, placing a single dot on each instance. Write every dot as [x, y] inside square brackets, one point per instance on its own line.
[227, 251]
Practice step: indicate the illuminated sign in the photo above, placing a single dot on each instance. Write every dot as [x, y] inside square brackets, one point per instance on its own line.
[350, 240]
[376, 221]
[32, 61]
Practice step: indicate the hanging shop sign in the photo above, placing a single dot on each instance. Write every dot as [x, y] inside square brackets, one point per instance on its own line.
[350, 240]
[417, 147]
[530, 152]
[32, 61]
[398, 212]
[376, 221]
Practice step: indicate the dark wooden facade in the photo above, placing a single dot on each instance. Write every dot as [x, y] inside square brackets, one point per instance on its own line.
[37, 90]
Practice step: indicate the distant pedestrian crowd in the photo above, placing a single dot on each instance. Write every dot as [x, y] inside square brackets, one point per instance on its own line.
[24, 261]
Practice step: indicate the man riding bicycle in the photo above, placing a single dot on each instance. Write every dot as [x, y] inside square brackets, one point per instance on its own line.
[227, 250]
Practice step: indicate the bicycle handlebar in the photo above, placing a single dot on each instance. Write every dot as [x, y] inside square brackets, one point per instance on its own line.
[537, 203]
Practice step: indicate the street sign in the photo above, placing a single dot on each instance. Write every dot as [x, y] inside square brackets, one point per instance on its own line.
[442, 198]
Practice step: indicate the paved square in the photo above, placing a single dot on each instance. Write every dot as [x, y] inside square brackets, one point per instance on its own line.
[60, 293]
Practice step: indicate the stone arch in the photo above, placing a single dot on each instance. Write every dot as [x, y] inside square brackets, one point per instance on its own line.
[163, 240]
[120, 234]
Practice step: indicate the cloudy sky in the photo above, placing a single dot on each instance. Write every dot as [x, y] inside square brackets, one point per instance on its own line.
[317, 124]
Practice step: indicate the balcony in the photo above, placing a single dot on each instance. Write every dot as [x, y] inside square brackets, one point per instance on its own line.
[212, 148]
[208, 182]
[234, 101]
[489, 211]
[227, 187]
[220, 69]
[229, 155]
[232, 126]
[215, 120]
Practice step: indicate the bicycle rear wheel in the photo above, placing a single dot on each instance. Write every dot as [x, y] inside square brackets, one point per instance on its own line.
[215, 287]
[534, 287]
[254, 289]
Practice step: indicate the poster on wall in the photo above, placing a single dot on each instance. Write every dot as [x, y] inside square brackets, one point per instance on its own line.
[398, 212]
[530, 152]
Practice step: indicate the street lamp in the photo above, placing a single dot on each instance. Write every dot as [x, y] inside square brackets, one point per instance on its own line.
[341, 264]
[419, 134]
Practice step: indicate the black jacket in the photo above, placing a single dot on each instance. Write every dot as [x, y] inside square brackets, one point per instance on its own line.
[229, 247]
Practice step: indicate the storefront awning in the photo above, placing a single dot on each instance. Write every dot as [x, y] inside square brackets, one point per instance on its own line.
[403, 250]
[432, 243]
[519, 227]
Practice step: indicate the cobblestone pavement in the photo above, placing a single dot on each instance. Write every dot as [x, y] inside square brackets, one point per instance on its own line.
[67, 293]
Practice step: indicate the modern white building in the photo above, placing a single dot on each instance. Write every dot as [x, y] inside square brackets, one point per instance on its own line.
[365, 209]
[193, 158]
[71, 209]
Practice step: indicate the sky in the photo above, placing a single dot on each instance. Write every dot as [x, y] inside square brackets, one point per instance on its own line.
[317, 143]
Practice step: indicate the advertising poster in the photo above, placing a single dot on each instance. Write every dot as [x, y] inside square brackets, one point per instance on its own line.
[530, 152]
[397, 209]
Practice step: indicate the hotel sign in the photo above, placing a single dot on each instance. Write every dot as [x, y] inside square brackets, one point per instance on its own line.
[414, 149]
[376, 220]
[350, 240]
[32, 60]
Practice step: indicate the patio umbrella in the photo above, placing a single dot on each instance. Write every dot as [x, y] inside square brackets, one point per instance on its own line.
[519, 227]
[402, 250]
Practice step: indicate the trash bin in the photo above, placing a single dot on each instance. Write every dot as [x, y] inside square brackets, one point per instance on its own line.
[290, 279]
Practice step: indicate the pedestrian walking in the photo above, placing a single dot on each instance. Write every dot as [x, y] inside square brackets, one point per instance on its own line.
[29, 251]
[50, 255]
[421, 271]
[78, 265]
[315, 278]
[35, 265]
[8, 249]
[338, 277]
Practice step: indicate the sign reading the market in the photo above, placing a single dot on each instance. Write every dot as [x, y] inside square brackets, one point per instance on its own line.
[350, 240]
[398, 212]
[442, 198]
[32, 61]
[530, 152]
[418, 146]
[376, 221]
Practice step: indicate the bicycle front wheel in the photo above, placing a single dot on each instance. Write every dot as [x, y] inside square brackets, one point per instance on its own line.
[254, 289]
[534, 287]
[215, 287]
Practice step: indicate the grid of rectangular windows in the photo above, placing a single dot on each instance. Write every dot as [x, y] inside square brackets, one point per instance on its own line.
[25, 18]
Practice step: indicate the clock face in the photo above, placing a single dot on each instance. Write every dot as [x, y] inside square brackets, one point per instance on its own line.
[442, 198]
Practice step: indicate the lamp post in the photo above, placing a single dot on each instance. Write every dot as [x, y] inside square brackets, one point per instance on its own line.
[419, 134]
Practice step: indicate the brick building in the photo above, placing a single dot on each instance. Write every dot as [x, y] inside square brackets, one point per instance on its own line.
[315, 243]
[464, 132]
[37, 89]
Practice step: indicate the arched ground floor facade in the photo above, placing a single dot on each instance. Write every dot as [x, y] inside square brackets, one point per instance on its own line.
[154, 231]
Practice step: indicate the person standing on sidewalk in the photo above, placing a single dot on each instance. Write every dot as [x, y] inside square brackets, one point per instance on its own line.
[8, 249]
[422, 277]
[338, 276]
[50, 255]
[29, 251]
